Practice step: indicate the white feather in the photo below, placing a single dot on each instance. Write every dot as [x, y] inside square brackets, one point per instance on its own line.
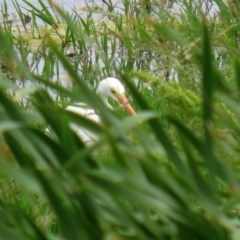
[108, 88]
[87, 136]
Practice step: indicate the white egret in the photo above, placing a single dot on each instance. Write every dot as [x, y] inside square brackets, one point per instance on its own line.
[107, 88]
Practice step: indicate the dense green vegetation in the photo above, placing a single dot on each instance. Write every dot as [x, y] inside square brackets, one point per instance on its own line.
[170, 172]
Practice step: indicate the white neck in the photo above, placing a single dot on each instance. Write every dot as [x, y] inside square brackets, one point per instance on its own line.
[105, 100]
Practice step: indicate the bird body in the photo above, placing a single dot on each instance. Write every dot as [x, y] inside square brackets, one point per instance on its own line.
[107, 88]
[87, 136]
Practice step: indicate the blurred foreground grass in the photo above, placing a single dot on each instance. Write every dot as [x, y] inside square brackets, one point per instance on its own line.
[170, 172]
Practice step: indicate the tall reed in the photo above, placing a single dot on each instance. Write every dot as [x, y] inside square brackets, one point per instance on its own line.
[170, 172]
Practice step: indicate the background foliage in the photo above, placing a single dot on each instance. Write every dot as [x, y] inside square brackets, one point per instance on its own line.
[170, 172]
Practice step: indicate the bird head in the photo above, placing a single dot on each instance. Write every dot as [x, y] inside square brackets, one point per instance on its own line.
[112, 88]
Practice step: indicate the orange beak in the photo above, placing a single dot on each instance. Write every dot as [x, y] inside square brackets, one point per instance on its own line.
[126, 105]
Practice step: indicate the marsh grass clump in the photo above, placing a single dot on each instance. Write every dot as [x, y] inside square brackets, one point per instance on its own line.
[170, 172]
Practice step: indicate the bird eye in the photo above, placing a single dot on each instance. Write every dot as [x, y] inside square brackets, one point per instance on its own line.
[113, 91]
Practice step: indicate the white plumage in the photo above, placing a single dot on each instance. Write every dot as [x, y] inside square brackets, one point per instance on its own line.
[108, 88]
